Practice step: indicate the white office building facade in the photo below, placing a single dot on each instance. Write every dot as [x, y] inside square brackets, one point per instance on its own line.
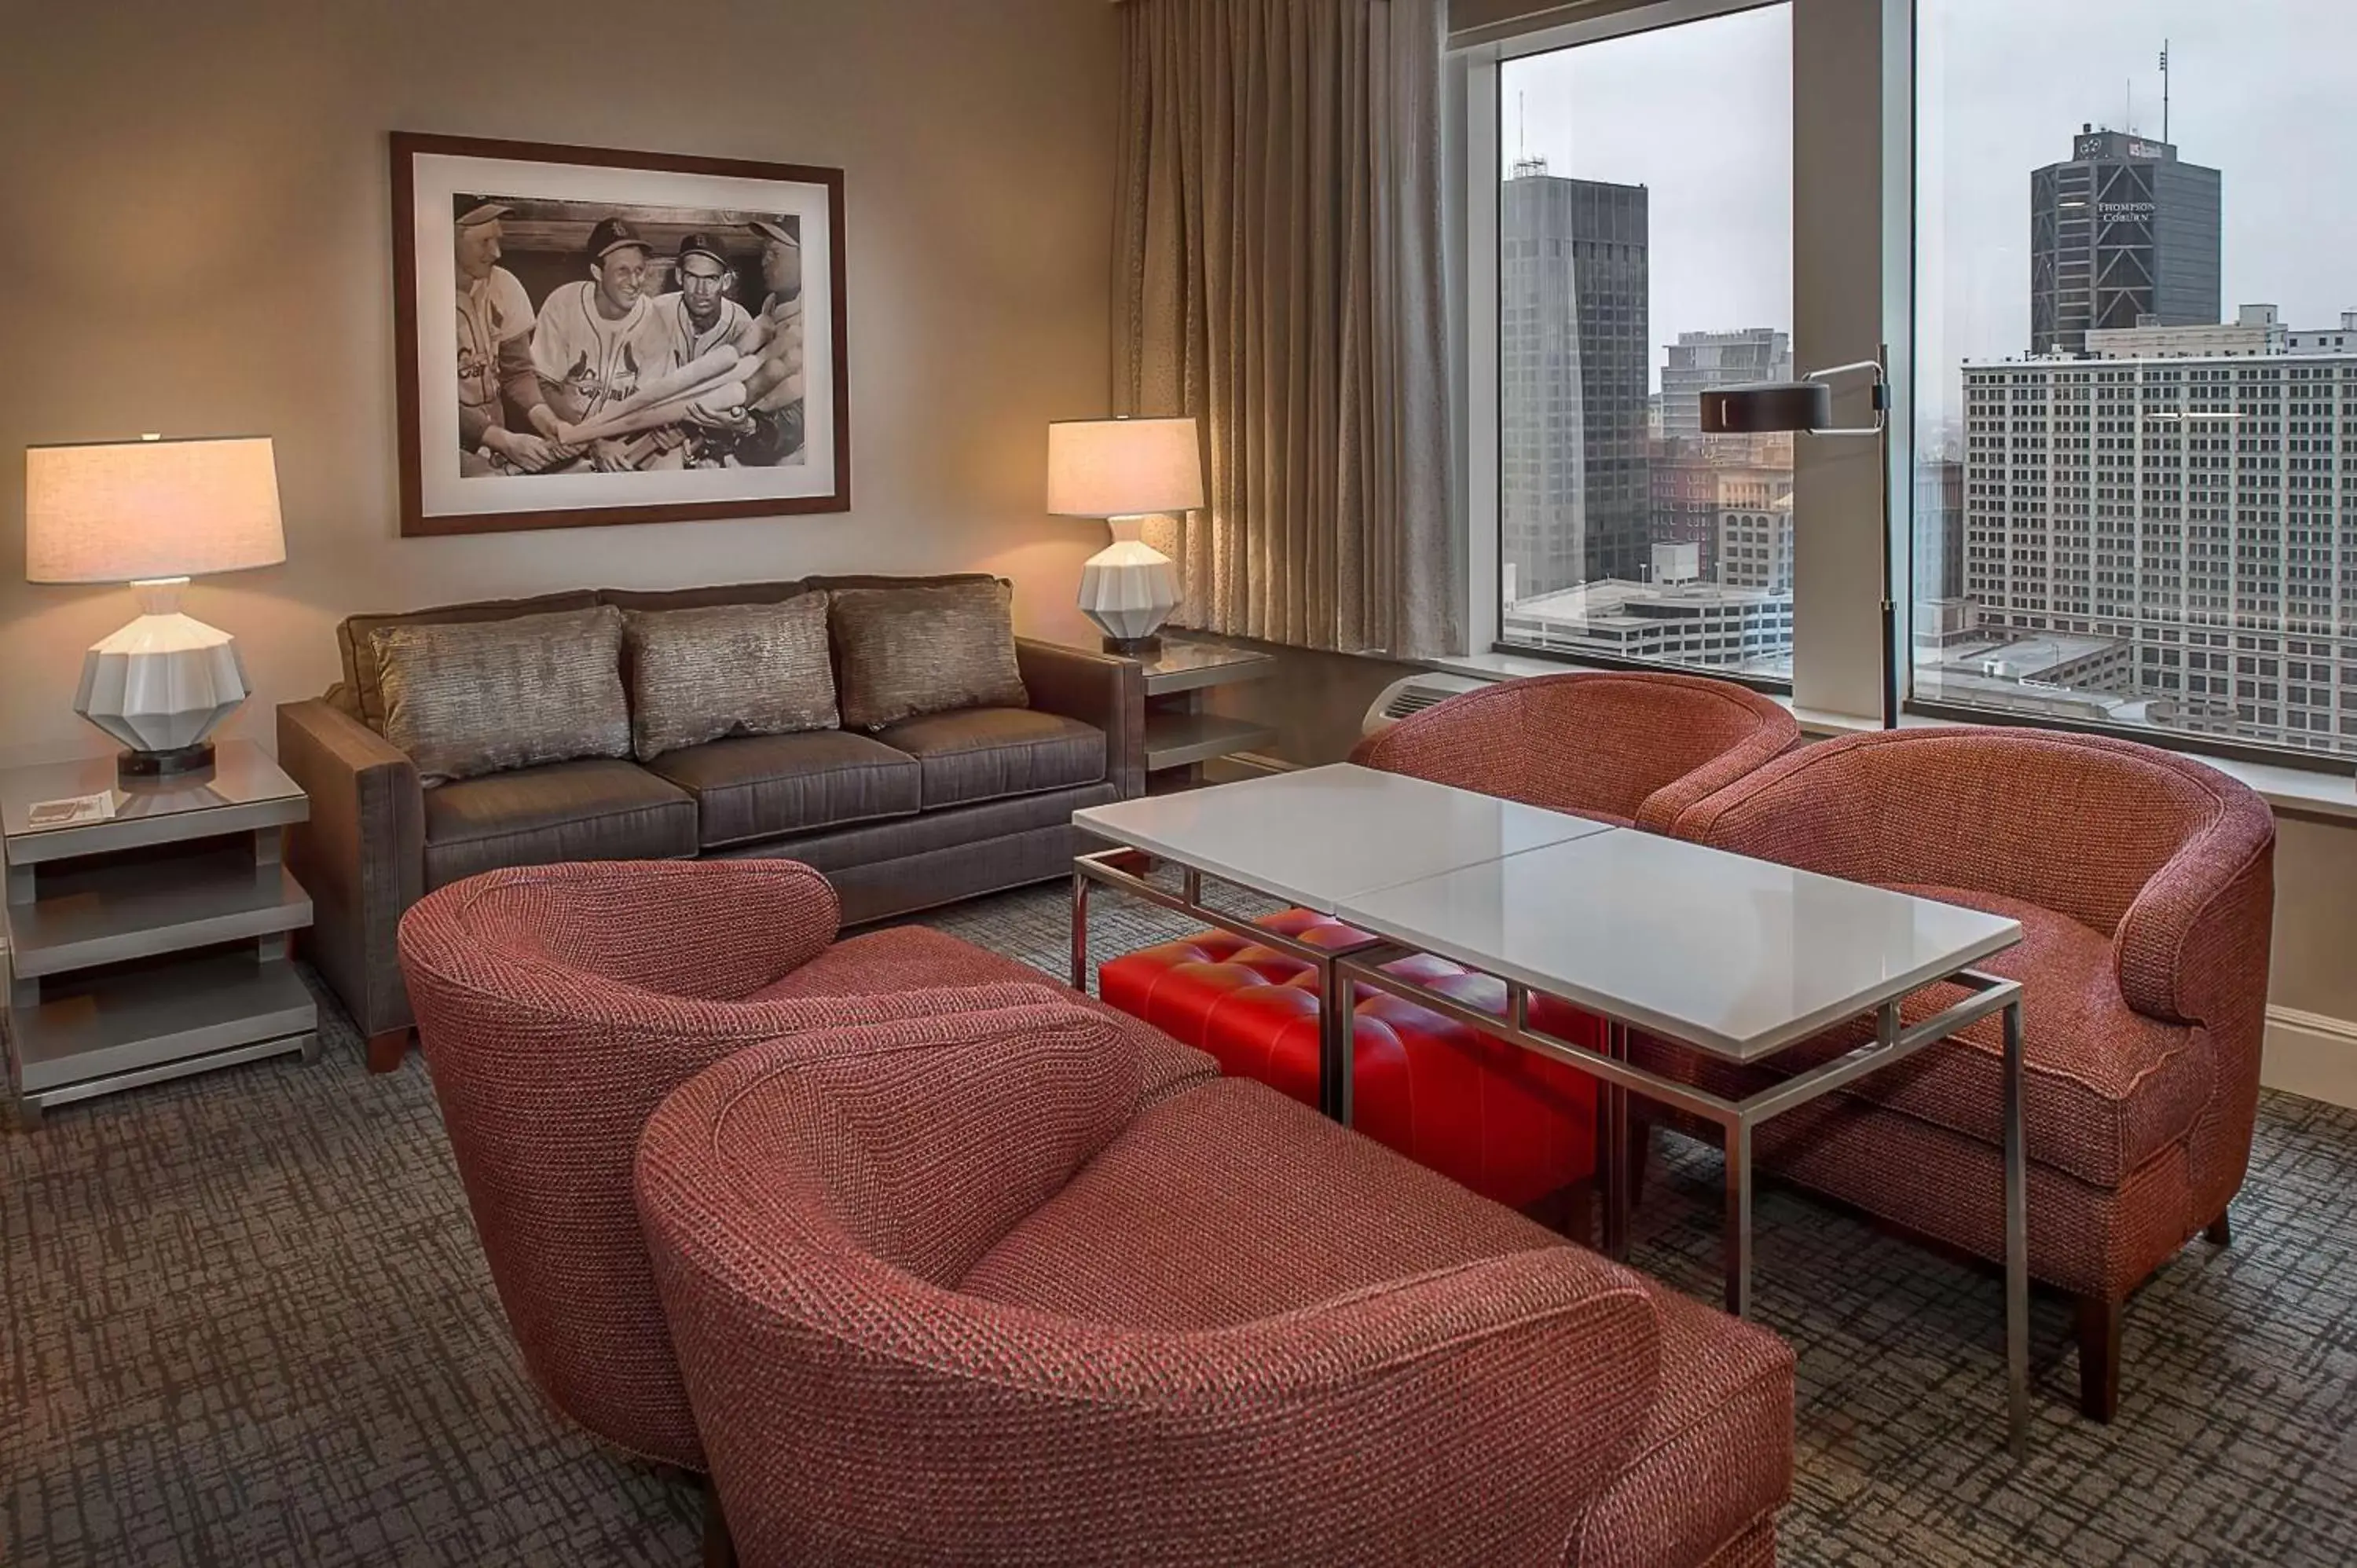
[2201, 510]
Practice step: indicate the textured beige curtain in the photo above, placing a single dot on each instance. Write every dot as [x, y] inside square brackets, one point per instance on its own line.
[1279, 276]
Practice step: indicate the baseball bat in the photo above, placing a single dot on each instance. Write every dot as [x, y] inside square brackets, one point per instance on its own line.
[709, 369]
[640, 414]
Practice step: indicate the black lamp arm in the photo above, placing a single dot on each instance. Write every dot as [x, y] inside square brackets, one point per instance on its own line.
[1881, 390]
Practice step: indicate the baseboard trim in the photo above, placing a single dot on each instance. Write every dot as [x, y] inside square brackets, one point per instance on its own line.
[2312, 1055]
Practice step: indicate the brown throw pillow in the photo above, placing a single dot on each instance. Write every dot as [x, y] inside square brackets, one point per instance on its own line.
[900, 652]
[482, 697]
[700, 675]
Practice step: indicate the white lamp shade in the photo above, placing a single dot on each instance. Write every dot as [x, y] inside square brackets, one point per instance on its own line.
[1124, 468]
[134, 510]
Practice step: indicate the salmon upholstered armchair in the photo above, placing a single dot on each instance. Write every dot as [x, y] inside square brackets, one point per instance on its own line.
[943, 1292]
[1631, 749]
[558, 1004]
[2144, 883]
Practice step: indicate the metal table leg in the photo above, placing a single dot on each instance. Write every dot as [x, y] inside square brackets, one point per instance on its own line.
[2017, 1246]
[1337, 1053]
[1080, 932]
[1615, 1158]
[1737, 1242]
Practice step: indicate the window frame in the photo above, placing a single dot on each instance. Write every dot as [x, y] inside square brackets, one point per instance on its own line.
[1474, 74]
[1854, 282]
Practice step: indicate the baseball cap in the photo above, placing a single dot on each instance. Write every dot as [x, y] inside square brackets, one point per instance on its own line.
[701, 245]
[611, 235]
[778, 232]
[472, 212]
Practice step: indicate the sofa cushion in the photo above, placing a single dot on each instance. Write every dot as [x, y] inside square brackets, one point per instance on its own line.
[762, 786]
[887, 580]
[983, 754]
[569, 811]
[705, 599]
[699, 675]
[466, 700]
[2103, 1087]
[898, 958]
[1174, 1226]
[900, 652]
[360, 682]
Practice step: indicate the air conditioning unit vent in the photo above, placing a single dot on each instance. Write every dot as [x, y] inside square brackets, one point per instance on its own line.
[1405, 698]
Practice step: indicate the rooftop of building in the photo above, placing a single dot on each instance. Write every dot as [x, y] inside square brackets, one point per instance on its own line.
[2011, 656]
[1613, 601]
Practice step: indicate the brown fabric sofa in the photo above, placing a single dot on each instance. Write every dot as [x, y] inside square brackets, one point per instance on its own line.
[944, 1289]
[926, 811]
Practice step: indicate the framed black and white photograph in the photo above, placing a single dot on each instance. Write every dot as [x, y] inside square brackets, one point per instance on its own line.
[629, 338]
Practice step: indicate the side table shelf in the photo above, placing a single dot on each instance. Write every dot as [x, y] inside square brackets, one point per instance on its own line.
[154, 943]
[1180, 733]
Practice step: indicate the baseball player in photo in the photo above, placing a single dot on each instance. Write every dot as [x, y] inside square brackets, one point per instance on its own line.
[700, 315]
[495, 365]
[774, 391]
[596, 339]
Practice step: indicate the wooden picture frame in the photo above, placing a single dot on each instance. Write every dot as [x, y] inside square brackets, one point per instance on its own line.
[694, 368]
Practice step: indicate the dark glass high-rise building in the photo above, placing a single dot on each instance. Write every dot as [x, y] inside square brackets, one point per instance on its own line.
[2124, 235]
[1575, 369]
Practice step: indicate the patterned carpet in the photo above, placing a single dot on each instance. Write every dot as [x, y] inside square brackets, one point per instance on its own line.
[245, 1322]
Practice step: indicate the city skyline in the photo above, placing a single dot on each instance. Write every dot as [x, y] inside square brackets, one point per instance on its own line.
[2012, 81]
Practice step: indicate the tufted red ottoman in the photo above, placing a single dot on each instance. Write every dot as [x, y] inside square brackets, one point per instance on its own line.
[1507, 1123]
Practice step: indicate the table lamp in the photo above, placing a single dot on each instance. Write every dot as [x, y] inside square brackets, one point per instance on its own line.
[1805, 407]
[1125, 470]
[154, 513]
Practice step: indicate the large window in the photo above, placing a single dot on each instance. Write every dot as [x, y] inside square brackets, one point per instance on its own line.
[2137, 368]
[1644, 253]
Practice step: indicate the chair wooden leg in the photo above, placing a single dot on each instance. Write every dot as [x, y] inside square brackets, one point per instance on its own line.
[386, 1051]
[720, 1551]
[2099, 1357]
[2221, 1232]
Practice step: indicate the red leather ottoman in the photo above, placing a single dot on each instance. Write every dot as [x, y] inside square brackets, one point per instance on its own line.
[1512, 1125]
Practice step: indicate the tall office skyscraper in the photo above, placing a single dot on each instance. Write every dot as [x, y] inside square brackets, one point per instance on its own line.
[2122, 235]
[1574, 496]
[1700, 361]
[2223, 554]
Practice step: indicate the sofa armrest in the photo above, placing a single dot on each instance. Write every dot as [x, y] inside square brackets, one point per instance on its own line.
[1100, 688]
[362, 855]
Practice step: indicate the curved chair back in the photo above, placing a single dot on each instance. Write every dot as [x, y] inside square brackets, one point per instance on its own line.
[820, 1210]
[557, 1006]
[1634, 749]
[2168, 856]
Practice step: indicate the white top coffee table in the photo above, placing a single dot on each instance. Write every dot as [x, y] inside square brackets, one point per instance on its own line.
[1734, 958]
[1740, 958]
[1324, 834]
[1315, 839]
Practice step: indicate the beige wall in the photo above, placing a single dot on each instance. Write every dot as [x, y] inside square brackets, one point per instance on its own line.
[2316, 915]
[199, 244]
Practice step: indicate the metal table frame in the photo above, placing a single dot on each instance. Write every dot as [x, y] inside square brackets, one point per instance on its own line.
[1893, 1043]
[1112, 868]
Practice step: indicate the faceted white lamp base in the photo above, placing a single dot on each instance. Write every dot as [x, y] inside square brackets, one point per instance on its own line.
[162, 684]
[1129, 588]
